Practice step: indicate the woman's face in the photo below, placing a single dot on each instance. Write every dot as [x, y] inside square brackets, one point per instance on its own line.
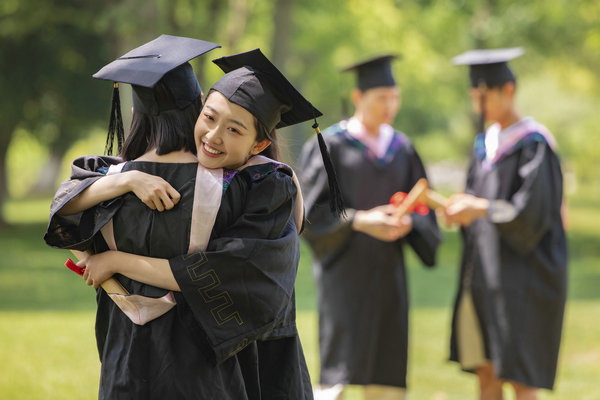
[225, 134]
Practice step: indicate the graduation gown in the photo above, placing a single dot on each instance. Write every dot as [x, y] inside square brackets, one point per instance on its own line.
[514, 262]
[361, 281]
[232, 333]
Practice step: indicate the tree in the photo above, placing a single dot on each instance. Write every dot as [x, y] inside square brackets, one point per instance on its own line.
[46, 83]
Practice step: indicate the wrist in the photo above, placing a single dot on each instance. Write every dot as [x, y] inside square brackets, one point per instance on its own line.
[483, 207]
[125, 181]
[357, 218]
[113, 261]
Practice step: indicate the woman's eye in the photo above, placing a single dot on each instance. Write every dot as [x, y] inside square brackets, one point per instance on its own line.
[234, 130]
[209, 117]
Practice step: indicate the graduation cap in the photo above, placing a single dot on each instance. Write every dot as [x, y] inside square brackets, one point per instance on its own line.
[374, 72]
[489, 67]
[164, 58]
[255, 84]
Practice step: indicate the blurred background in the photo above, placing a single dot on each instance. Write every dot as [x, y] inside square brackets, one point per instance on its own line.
[52, 110]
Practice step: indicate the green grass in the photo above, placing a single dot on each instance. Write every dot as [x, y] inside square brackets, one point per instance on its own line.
[48, 355]
[47, 317]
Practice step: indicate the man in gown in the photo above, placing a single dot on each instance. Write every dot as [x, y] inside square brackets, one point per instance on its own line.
[509, 308]
[359, 259]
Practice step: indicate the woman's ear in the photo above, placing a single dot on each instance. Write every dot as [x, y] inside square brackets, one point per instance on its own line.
[260, 146]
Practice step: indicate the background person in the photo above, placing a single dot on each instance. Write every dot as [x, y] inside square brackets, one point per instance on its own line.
[509, 308]
[359, 260]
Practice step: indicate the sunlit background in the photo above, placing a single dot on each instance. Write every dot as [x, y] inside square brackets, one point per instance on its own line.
[52, 110]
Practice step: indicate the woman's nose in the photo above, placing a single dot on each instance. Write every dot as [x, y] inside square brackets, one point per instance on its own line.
[214, 135]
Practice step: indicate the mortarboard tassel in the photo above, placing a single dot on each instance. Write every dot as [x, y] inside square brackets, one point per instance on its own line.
[482, 92]
[336, 202]
[115, 125]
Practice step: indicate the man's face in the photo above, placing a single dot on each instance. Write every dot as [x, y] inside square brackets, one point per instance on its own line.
[498, 101]
[379, 105]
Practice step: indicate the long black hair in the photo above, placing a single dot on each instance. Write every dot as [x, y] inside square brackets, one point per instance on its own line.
[170, 130]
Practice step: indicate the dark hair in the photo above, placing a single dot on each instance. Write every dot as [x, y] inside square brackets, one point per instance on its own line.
[273, 151]
[500, 85]
[168, 131]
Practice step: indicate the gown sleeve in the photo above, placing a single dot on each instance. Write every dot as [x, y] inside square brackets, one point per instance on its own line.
[526, 216]
[425, 236]
[241, 287]
[325, 232]
[76, 231]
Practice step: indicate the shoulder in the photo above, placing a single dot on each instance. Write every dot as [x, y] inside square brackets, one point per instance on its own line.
[402, 142]
[88, 166]
[260, 189]
[93, 161]
[269, 170]
[261, 175]
[336, 129]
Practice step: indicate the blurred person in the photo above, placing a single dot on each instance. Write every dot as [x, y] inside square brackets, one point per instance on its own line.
[359, 259]
[224, 249]
[508, 313]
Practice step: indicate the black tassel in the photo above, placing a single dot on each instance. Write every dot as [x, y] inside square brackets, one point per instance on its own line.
[482, 92]
[115, 125]
[336, 202]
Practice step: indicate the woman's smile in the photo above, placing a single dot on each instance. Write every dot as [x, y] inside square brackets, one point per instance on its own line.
[210, 151]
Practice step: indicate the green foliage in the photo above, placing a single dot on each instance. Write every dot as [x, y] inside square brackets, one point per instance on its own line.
[48, 76]
[54, 47]
[24, 162]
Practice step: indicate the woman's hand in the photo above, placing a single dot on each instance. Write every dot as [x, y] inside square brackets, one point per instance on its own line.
[151, 271]
[99, 267]
[152, 190]
[464, 208]
[380, 223]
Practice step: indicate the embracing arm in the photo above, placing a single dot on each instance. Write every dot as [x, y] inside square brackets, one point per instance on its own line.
[148, 270]
[152, 190]
[242, 287]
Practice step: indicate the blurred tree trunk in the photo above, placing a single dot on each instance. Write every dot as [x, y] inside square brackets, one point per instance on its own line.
[280, 43]
[209, 32]
[5, 138]
[236, 25]
[280, 54]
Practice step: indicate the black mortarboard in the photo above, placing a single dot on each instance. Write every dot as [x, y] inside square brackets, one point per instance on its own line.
[489, 67]
[374, 72]
[166, 58]
[254, 83]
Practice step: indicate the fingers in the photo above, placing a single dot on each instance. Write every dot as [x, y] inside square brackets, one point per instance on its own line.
[174, 194]
[163, 198]
[166, 201]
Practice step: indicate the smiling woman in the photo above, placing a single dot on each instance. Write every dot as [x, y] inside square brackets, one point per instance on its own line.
[226, 134]
[226, 251]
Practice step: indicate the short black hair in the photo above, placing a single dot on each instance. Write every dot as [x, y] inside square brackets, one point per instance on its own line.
[273, 151]
[168, 131]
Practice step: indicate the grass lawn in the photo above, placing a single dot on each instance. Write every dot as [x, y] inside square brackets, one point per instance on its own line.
[47, 318]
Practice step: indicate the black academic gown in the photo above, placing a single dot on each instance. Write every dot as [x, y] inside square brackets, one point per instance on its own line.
[361, 281]
[232, 334]
[514, 264]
